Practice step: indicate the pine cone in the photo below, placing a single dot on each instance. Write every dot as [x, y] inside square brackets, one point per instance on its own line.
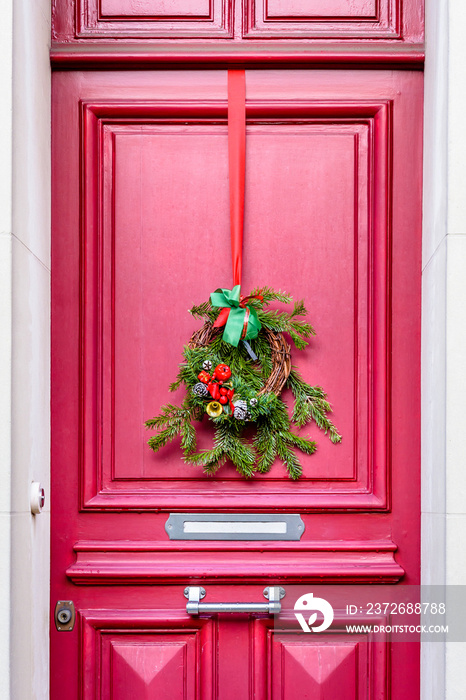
[241, 409]
[200, 389]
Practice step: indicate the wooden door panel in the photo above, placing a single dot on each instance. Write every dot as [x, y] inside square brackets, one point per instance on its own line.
[159, 19]
[337, 9]
[324, 670]
[141, 245]
[362, 19]
[153, 652]
[145, 655]
[139, 668]
[117, 9]
[322, 666]
[141, 233]
[166, 655]
[359, 21]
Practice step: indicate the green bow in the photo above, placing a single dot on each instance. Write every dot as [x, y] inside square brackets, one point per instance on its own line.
[240, 320]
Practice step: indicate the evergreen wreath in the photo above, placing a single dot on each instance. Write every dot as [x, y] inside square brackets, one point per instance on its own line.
[237, 384]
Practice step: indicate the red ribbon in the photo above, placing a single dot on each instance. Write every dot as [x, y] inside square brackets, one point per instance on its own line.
[244, 301]
[237, 165]
[236, 174]
[245, 324]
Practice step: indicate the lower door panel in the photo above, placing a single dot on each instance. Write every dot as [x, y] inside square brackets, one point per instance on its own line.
[150, 653]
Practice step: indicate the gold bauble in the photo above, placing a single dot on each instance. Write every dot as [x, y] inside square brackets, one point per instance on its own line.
[214, 409]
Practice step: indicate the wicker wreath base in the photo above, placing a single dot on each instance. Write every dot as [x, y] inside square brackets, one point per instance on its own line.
[280, 351]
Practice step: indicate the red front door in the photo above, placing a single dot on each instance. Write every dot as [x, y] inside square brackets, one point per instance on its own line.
[141, 233]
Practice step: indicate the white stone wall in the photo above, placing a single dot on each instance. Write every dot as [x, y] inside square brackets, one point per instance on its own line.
[434, 351]
[25, 350]
[6, 228]
[444, 331]
[455, 491]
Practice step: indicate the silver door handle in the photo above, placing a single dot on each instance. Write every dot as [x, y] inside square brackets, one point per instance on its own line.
[195, 594]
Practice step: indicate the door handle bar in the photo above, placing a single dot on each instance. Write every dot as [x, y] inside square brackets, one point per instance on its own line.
[194, 594]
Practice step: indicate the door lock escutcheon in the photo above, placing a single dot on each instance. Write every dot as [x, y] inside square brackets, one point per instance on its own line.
[64, 615]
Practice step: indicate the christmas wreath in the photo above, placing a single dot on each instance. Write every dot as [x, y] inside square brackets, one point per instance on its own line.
[235, 379]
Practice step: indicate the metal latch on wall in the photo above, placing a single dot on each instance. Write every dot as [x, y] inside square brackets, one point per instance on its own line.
[195, 594]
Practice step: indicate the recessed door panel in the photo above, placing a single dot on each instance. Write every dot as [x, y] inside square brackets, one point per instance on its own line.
[155, 21]
[322, 19]
[135, 654]
[159, 231]
[151, 19]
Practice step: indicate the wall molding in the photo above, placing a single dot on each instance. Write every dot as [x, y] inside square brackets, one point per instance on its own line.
[127, 56]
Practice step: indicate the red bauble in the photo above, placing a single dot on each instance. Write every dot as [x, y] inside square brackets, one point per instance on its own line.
[222, 373]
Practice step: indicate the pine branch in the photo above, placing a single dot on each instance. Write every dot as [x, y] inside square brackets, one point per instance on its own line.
[176, 384]
[261, 347]
[283, 322]
[173, 421]
[298, 341]
[227, 445]
[204, 311]
[311, 404]
[271, 415]
[163, 438]
[270, 444]
[265, 444]
[268, 294]
[188, 438]
[237, 449]
[302, 443]
[210, 460]
[288, 457]
[299, 309]
[170, 414]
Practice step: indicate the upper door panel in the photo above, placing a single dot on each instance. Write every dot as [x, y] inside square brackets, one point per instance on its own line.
[262, 30]
[332, 215]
